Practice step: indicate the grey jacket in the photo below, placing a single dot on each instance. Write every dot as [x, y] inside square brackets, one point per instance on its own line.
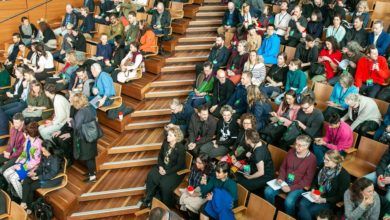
[368, 111]
[357, 211]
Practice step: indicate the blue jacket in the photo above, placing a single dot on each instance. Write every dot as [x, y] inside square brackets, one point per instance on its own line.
[182, 119]
[297, 80]
[105, 85]
[220, 207]
[90, 5]
[88, 24]
[382, 43]
[261, 111]
[269, 49]
[338, 96]
[239, 100]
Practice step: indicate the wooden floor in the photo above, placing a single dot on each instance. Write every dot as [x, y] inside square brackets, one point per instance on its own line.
[129, 148]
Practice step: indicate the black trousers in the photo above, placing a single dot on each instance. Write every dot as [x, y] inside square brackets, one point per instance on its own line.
[91, 166]
[6, 163]
[165, 185]
[252, 184]
[365, 127]
[329, 110]
[29, 186]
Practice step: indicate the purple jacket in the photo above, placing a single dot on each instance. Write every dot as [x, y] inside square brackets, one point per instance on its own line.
[15, 143]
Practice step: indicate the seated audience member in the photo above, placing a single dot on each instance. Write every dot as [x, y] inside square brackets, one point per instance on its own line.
[309, 120]
[253, 39]
[363, 112]
[4, 128]
[201, 129]
[276, 77]
[90, 5]
[255, 64]
[379, 37]
[103, 87]
[28, 160]
[231, 19]
[220, 190]
[337, 31]
[5, 78]
[130, 64]
[296, 27]
[181, 115]
[79, 43]
[238, 100]
[81, 83]
[282, 19]
[46, 36]
[61, 113]
[45, 64]
[48, 168]
[341, 90]
[236, 62]
[296, 80]
[105, 6]
[361, 201]
[326, 214]
[148, 39]
[247, 19]
[331, 183]
[15, 143]
[14, 94]
[257, 7]
[132, 30]
[384, 128]
[202, 168]
[115, 29]
[163, 177]
[334, 8]
[329, 58]
[69, 18]
[307, 52]
[27, 31]
[270, 46]
[282, 119]
[357, 33]
[260, 162]
[380, 175]
[297, 171]
[103, 49]
[118, 54]
[24, 53]
[338, 136]
[12, 52]
[222, 90]
[372, 73]
[87, 26]
[161, 20]
[218, 55]
[259, 106]
[352, 53]
[37, 103]
[159, 213]
[226, 134]
[315, 26]
[87, 151]
[203, 86]
[67, 44]
[66, 75]
[362, 10]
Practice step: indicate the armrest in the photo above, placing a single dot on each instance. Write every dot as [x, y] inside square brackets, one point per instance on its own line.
[181, 172]
[58, 176]
[4, 136]
[4, 216]
[3, 148]
[340, 204]
[115, 97]
[307, 188]
[48, 110]
[142, 212]
[239, 209]
[5, 87]
[350, 150]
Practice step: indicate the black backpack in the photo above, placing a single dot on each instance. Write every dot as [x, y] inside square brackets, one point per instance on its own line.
[42, 210]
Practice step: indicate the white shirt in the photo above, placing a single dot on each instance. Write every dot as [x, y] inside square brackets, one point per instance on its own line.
[46, 62]
[281, 22]
[376, 38]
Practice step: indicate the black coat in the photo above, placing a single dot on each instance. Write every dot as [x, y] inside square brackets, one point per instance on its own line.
[204, 130]
[176, 158]
[165, 21]
[49, 167]
[82, 150]
[218, 57]
[383, 164]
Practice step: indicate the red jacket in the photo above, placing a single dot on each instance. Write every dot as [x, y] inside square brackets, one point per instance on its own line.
[364, 71]
[15, 143]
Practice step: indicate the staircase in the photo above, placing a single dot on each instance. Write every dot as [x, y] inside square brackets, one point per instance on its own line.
[125, 161]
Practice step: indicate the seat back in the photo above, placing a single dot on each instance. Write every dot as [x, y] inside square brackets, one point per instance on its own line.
[283, 216]
[17, 212]
[158, 204]
[259, 208]
[382, 106]
[322, 91]
[242, 195]
[7, 202]
[277, 156]
[370, 151]
[354, 139]
[142, 16]
[189, 159]
[118, 89]
[176, 10]
[290, 51]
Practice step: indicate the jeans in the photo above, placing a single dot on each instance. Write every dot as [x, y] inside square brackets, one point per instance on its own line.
[319, 151]
[373, 177]
[268, 90]
[289, 203]
[308, 210]
[370, 91]
[12, 108]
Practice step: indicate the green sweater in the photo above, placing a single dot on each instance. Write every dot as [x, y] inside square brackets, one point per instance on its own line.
[229, 185]
[41, 101]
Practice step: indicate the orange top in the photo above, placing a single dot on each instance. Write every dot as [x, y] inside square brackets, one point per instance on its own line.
[148, 42]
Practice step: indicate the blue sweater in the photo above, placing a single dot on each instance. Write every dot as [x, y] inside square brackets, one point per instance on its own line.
[238, 99]
[104, 51]
[261, 111]
[88, 24]
[296, 80]
[269, 49]
[105, 85]
[338, 96]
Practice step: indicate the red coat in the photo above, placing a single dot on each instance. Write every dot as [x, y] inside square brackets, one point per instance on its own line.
[364, 71]
[335, 56]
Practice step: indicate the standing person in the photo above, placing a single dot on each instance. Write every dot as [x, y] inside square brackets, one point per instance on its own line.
[164, 176]
[361, 201]
[83, 150]
[332, 181]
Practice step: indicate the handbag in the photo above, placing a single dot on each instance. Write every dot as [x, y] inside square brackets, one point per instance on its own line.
[91, 131]
[291, 134]
[316, 69]
[273, 132]
[42, 210]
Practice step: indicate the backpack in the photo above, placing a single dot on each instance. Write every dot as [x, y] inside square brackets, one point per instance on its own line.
[42, 210]
[113, 113]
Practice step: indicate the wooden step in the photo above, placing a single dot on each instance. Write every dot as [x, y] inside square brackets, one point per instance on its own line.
[168, 83]
[151, 112]
[197, 39]
[210, 14]
[102, 213]
[147, 124]
[178, 68]
[201, 29]
[168, 92]
[129, 163]
[134, 148]
[213, 7]
[212, 1]
[204, 46]
[112, 193]
[193, 58]
[202, 22]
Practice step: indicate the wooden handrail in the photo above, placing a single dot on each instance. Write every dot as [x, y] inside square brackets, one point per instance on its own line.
[27, 10]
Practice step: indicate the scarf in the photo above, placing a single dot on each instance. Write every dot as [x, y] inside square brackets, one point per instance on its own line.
[325, 177]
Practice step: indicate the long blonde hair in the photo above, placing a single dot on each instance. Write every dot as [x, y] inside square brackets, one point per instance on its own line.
[254, 95]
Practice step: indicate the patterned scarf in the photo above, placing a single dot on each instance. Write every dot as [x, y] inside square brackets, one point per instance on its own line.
[325, 177]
